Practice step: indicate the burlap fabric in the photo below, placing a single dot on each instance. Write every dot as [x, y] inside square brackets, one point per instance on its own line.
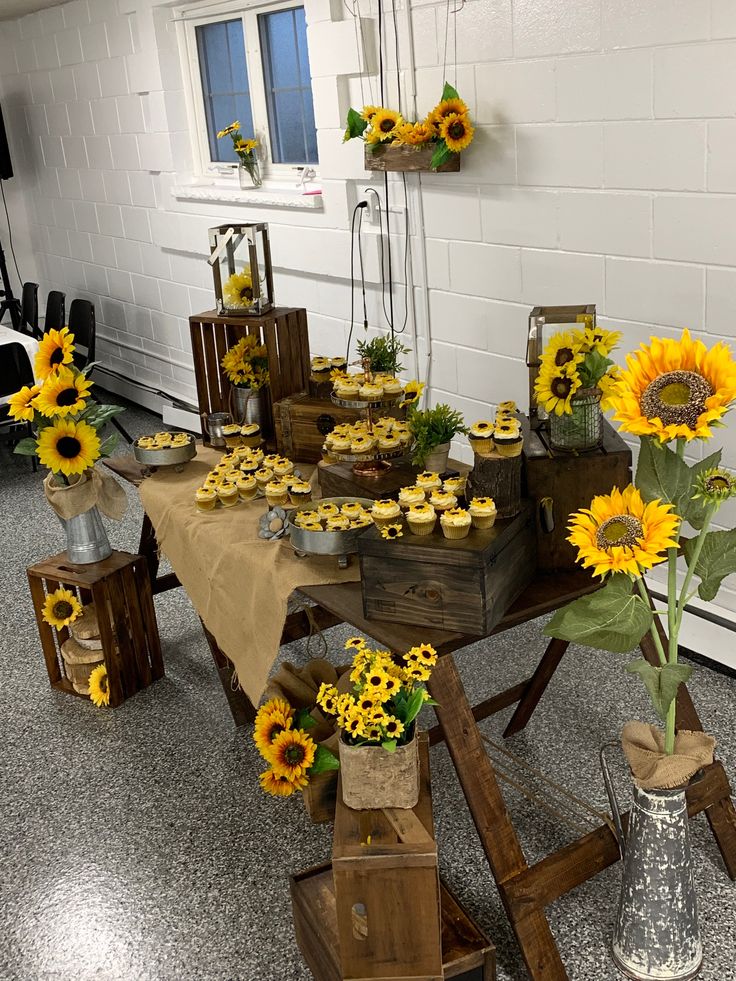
[652, 768]
[95, 488]
[238, 583]
[299, 686]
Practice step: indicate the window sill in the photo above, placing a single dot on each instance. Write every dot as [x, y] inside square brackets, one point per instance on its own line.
[264, 197]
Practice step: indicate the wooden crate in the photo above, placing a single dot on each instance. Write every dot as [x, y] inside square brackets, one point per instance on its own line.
[465, 585]
[408, 159]
[339, 480]
[387, 888]
[302, 422]
[284, 332]
[120, 588]
[560, 483]
[319, 797]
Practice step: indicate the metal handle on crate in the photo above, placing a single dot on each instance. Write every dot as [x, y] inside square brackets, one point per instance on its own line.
[547, 515]
[612, 798]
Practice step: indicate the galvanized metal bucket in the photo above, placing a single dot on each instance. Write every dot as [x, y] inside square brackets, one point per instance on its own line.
[248, 406]
[656, 936]
[86, 538]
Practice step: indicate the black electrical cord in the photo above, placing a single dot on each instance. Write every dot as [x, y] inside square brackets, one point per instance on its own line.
[362, 270]
[396, 52]
[406, 258]
[358, 207]
[380, 49]
[10, 234]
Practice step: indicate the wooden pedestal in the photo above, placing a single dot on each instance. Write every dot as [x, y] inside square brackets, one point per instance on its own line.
[284, 332]
[120, 589]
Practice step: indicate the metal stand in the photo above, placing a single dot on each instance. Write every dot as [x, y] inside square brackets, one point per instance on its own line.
[8, 304]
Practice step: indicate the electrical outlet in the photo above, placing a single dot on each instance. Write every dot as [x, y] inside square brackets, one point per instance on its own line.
[373, 205]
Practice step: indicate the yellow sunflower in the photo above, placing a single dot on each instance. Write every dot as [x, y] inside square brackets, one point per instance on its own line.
[450, 107]
[384, 123]
[675, 388]
[414, 134]
[292, 753]
[63, 393]
[55, 348]
[393, 727]
[370, 111]
[353, 723]
[232, 128]
[425, 653]
[61, 608]
[99, 689]
[267, 728]
[563, 349]
[620, 533]
[375, 679]
[372, 136]
[392, 531]
[280, 784]
[68, 447]
[412, 392]
[608, 385]
[715, 485]
[246, 146]
[417, 671]
[600, 340]
[457, 132]
[327, 698]
[355, 644]
[554, 390]
[19, 405]
[237, 291]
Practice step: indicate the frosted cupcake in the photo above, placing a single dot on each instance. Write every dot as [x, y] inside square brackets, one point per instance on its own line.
[231, 432]
[421, 519]
[227, 494]
[257, 455]
[442, 500]
[362, 521]
[508, 406]
[320, 368]
[388, 444]
[341, 444]
[283, 467]
[411, 495]
[327, 510]
[455, 523]
[206, 498]
[337, 523]
[352, 509]
[251, 434]
[362, 444]
[392, 386]
[270, 459]
[263, 477]
[277, 493]
[428, 481]
[455, 485]
[338, 364]
[482, 512]
[507, 437]
[385, 512]
[249, 466]
[300, 492]
[480, 437]
[345, 389]
[247, 487]
[313, 526]
[303, 518]
[371, 392]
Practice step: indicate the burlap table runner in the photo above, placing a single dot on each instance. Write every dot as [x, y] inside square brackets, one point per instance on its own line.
[238, 583]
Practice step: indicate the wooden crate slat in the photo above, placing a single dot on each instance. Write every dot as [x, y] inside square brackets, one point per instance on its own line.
[145, 596]
[200, 374]
[135, 618]
[46, 632]
[213, 369]
[107, 636]
[272, 349]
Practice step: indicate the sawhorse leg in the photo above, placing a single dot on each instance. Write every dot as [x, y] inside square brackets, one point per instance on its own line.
[536, 686]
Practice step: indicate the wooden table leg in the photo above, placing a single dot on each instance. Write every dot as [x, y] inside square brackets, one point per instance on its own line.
[537, 686]
[499, 840]
[148, 548]
[242, 709]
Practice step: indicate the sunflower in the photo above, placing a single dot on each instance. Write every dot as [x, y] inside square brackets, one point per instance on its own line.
[279, 784]
[608, 385]
[554, 389]
[600, 340]
[367, 702]
[246, 146]
[416, 671]
[620, 533]
[384, 122]
[715, 485]
[354, 724]
[238, 290]
[61, 608]
[375, 679]
[19, 405]
[423, 653]
[355, 644]
[393, 727]
[292, 753]
[675, 389]
[373, 136]
[450, 107]
[391, 685]
[457, 132]
[267, 728]
[414, 134]
[99, 689]
[563, 349]
[232, 128]
[68, 447]
[392, 531]
[63, 393]
[55, 348]
[370, 111]
[412, 393]
[327, 698]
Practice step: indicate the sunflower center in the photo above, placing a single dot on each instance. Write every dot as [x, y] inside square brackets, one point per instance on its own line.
[62, 609]
[275, 730]
[67, 396]
[563, 356]
[68, 447]
[456, 130]
[620, 530]
[677, 398]
[294, 754]
[246, 293]
[561, 386]
[57, 356]
[719, 483]
[387, 125]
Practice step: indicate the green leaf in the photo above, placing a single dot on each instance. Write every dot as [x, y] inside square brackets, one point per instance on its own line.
[448, 92]
[611, 619]
[324, 761]
[303, 719]
[356, 125]
[99, 415]
[593, 368]
[26, 447]
[662, 475]
[717, 560]
[414, 706]
[389, 745]
[109, 444]
[661, 682]
[442, 154]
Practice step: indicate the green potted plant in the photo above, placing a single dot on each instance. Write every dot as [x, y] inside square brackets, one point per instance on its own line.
[432, 430]
[384, 353]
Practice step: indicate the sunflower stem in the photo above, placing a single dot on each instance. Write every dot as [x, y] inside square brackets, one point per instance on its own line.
[697, 548]
[653, 629]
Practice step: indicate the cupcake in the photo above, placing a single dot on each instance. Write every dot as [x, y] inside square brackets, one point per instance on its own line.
[385, 512]
[411, 495]
[455, 523]
[312, 526]
[507, 437]
[277, 493]
[283, 466]
[247, 487]
[227, 494]
[482, 512]
[300, 492]
[347, 389]
[263, 476]
[251, 434]
[328, 457]
[371, 392]
[392, 386]
[337, 523]
[341, 444]
[421, 519]
[327, 510]
[388, 444]
[362, 521]
[362, 444]
[442, 500]
[480, 436]
[257, 455]
[455, 485]
[508, 406]
[211, 481]
[270, 459]
[249, 466]
[352, 509]
[404, 435]
[429, 481]
[231, 432]
[302, 518]
[338, 364]
[206, 498]
[320, 368]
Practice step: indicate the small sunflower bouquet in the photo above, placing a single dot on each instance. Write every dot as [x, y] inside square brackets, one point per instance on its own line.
[447, 127]
[573, 364]
[293, 756]
[672, 395]
[246, 363]
[245, 150]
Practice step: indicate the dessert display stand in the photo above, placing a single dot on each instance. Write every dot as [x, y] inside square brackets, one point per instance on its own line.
[373, 463]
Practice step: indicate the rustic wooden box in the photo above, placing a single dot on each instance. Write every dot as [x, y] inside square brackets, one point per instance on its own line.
[560, 483]
[302, 422]
[407, 159]
[284, 332]
[465, 585]
[339, 480]
[120, 588]
[319, 797]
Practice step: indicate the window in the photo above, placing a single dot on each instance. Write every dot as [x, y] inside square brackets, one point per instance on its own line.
[253, 67]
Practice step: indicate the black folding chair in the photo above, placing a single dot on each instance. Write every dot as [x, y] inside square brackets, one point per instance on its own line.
[15, 372]
[55, 310]
[29, 310]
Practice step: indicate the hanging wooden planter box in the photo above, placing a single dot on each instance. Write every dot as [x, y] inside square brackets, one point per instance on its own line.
[398, 158]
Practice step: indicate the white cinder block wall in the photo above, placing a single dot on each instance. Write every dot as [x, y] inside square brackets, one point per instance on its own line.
[602, 171]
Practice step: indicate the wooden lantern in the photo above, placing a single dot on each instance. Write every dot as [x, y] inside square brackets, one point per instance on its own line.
[235, 249]
[543, 323]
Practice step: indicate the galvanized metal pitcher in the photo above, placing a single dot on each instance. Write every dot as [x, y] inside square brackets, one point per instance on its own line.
[656, 934]
[86, 538]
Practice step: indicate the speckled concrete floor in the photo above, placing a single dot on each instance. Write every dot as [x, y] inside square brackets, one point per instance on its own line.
[136, 844]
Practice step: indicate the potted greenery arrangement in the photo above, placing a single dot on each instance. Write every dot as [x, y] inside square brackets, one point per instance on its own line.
[384, 354]
[245, 151]
[246, 367]
[432, 431]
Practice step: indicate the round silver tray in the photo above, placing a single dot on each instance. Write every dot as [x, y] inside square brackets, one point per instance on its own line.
[367, 457]
[173, 456]
[367, 403]
[340, 543]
